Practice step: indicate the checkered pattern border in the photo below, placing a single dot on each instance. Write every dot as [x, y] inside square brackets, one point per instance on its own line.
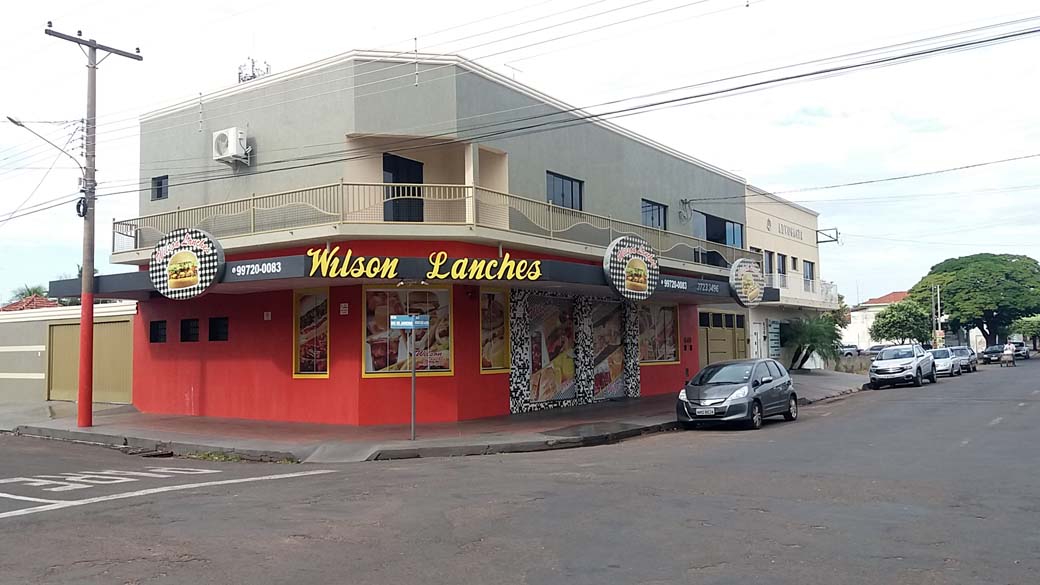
[616, 260]
[211, 265]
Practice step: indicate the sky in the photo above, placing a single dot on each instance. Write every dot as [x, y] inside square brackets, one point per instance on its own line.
[936, 113]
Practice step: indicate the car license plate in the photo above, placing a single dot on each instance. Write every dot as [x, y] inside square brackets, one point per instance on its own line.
[704, 411]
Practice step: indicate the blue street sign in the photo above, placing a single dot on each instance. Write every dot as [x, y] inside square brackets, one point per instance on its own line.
[409, 321]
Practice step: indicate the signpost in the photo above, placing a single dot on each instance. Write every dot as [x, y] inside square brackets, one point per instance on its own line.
[411, 323]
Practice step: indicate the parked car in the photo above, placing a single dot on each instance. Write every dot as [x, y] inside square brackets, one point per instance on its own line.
[946, 362]
[991, 355]
[1021, 350]
[902, 364]
[968, 358]
[876, 349]
[739, 391]
[851, 350]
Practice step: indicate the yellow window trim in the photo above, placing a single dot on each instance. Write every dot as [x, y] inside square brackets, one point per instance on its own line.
[297, 375]
[451, 330]
[480, 319]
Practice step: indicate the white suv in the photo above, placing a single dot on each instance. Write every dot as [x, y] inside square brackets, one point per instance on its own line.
[902, 364]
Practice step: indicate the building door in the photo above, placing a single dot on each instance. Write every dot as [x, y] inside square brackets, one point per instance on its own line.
[113, 355]
[402, 203]
[756, 340]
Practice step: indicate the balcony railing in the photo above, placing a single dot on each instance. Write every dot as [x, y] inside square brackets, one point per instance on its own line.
[379, 203]
[816, 290]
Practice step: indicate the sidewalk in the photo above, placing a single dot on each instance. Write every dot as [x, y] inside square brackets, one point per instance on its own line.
[593, 424]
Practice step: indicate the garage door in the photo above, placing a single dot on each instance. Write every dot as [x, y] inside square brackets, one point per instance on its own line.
[113, 355]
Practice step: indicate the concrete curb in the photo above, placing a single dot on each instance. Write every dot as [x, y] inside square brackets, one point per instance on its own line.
[177, 448]
[802, 401]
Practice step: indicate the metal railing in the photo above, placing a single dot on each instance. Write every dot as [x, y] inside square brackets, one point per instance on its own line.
[816, 290]
[382, 203]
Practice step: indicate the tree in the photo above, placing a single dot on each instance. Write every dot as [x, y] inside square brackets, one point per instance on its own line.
[902, 322]
[25, 291]
[988, 291]
[841, 316]
[815, 334]
[1028, 327]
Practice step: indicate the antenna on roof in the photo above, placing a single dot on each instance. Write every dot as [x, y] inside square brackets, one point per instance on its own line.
[250, 70]
[515, 70]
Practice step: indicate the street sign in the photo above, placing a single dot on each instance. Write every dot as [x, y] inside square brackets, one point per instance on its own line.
[409, 321]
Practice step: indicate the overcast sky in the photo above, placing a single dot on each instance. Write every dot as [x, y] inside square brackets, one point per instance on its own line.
[936, 113]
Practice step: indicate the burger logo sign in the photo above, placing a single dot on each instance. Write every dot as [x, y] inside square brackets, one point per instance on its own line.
[185, 263]
[632, 268]
[747, 282]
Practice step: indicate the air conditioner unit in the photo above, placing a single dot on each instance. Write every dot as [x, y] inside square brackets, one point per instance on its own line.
[229, 146]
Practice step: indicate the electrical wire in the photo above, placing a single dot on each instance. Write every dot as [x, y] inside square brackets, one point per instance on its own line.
[40, 183]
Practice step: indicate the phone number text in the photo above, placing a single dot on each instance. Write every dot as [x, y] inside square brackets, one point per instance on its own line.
[257, 268]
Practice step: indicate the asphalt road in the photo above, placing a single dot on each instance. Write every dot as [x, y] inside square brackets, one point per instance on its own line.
[902, 486]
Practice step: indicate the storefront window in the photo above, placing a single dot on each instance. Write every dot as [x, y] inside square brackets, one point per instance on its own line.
[386, 350]
[658, 333]
[494, 330]
[311, 338]
[608, 356]
[552, 349]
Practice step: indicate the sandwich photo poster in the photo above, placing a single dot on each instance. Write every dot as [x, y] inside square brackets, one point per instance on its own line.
[312, 332]
[386, 350]
[494, 339]
[658, 333]
[608, 354]
[552, 349]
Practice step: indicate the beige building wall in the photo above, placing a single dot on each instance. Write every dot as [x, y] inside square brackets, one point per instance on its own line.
[784, 227]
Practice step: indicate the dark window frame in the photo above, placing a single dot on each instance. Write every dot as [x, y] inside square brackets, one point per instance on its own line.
[219, 329]
[157, 331]
[189, 329]
[653, 210]
[704, 320]
[567, 186]
[160, 187]
[773, 370]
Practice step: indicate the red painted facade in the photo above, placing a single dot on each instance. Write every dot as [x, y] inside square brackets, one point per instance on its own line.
[251, 374]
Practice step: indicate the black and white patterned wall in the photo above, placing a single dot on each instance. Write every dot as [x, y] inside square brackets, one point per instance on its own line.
[583, 348]
[630, 340]
[519, 351]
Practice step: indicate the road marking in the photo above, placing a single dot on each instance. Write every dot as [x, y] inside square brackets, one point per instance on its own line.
[1035, 392]
[965, 441]
[64, 482]
[995, 421]
[1021, 404]
[825, 414]
[28, 499]
[158, 490]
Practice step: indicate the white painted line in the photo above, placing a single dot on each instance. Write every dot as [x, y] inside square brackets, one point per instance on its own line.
[995, 421]
[1035, 392]
[1021, 404]
[158, 490]
[13, 348]
[965, 441]
[21, 376]
[28, 499]
[826, 414]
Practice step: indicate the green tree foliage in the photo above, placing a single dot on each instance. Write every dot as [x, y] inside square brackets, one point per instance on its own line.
[815, 334]
[1028, 327]
[988, 291]
[25, 291]
[902, 322]
[841, 316]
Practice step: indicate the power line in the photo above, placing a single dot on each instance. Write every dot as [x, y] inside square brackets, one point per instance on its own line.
[42, 179]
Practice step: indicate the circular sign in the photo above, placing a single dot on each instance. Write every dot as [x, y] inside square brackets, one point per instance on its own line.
[185, 263]
[747, 281]
[632, 268]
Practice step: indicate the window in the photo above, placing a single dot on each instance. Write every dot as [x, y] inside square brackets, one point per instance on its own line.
[705, 320]
[781, 263]
[218, 328]
[311, 333]
[773, 370]
[794, 264]
[700, 224]
[494, 330]
[729, 321]
[189, 330]
[385, 350]
[160, 187]
[809, 270]
[740, 321]
[760, 372]
[655, 215]
[734, 234]
[157, 332]
[780, 367]
[769, 259]
[563, 191]
[716, 320]
[658, 333]
[718, 230]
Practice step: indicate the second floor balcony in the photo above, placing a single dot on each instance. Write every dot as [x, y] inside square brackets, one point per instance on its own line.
[796, 290]
[411, 211]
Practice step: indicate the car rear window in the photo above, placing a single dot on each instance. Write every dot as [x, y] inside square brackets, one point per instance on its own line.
[774, 371]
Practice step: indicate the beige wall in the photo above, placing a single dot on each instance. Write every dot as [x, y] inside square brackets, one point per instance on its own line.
[781, 226]
[494, 170]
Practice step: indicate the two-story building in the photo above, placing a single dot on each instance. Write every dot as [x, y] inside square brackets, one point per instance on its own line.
[542, 249]
[784, 234]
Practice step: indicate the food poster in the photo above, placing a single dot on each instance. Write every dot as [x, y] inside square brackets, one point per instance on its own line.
[494, 343]
[552, 349]
[386, 350]
[608, 379]
[658, 334]
[312, 333]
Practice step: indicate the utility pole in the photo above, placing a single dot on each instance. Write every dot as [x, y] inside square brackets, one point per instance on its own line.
[85, 395]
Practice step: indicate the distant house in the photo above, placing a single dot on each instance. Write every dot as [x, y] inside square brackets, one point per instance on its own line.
[862, 316]
[31, 302]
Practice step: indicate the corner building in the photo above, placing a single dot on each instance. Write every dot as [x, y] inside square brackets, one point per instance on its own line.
[366, 186]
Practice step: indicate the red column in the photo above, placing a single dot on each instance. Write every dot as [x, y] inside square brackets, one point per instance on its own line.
[85, 399]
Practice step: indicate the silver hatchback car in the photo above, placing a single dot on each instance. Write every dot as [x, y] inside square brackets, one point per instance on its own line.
[741, 391]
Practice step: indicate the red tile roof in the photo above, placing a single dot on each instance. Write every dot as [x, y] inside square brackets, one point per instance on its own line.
[890, 298]
[33, 302]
